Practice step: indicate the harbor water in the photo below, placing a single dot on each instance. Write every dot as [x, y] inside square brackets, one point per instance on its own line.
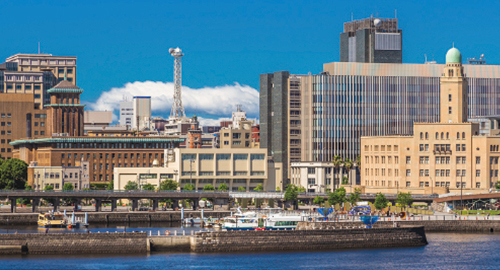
[445, 251]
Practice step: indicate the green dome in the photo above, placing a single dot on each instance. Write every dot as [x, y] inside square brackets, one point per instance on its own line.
[453, 56]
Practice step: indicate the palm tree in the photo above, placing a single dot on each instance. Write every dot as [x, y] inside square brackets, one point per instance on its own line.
[337, 162]
[348, 166]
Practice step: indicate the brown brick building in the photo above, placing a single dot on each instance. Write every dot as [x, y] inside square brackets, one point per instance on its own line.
[19, 119]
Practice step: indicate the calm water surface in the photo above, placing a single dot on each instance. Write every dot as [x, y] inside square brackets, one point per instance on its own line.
[445, 251]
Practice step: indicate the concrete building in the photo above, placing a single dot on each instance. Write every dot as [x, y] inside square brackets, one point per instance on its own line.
[235, 167]
[322, 176]
[274, 106]
[441, 157]
[372, 40]
[239, 133]
[19, 119]
[141, 119]
[126, 113]
[35, 74]
[57, 176]
[93, 120]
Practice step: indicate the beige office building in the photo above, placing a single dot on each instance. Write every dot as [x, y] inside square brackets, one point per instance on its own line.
[236, 168]
[35, 74]
[440, 157]
[56, 176]
[239, 133]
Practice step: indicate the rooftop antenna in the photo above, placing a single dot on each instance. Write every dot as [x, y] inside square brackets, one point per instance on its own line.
[395, 13]
[352, 16]
[38, 47]
[177, 108]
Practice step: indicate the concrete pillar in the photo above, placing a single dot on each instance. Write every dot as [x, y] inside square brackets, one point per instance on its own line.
[155, 204]
[175, 204]
[13, 205]
[195, 203]
[56, 204]
[113, 205]
[34, 205]
[76, 203]
[134, 204]
[98, 203]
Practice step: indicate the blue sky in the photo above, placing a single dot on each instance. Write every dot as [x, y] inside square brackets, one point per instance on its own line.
[227, 42]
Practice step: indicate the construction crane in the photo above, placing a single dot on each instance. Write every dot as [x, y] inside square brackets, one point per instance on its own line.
[177, 108]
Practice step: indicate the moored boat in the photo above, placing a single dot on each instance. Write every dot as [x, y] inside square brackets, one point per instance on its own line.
[51, 220]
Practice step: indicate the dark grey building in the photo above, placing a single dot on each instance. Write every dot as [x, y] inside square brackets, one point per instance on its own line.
[274, 120]
[372, 40]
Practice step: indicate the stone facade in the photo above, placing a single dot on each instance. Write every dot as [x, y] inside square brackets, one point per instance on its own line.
[260, 241]
[76, 243]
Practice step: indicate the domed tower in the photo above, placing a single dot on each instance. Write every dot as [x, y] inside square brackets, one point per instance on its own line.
[65, 113]
[453, 89]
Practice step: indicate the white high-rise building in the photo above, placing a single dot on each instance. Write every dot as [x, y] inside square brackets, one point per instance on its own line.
[141, 119]
[126, 112]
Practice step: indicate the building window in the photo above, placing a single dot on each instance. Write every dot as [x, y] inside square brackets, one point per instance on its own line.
[478, 160]
[408, 172]
[478, 184]
[421, 184]
[421, 147]
[449, 110]
[458, 160]
[478, 173]
[311, 181]
[421, 172]
[408, 160]
[458, 147]
[463, 146]
[408, 183]
[426, 147]
[426, 172]
[449, 97]
[311, 170]
[463, 135]
[447, 173]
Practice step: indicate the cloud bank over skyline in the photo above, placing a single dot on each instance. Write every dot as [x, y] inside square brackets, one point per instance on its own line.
[212, 103]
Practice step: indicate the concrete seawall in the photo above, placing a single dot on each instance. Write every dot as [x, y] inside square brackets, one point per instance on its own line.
[250, 241]
[115, 217]
[73, 243]
[430, 226]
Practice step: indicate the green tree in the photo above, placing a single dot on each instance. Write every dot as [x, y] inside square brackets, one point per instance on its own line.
[131, 186]
[337, 197]
[169, 184]
[301, 189]
[291, 192]
[86, 199]
[242, 189]
[318, 200]
[111, 185]
[355, 197]
[48, 188]
[497, 185]
[259, 188]
[348, 164]
[337, 162]
[13, 174]
[208, 187]
[223, 187]
[345, 180]
[278, 189]
[404, 199]
[381, 201]
[148, 186]
[189, 186]
[67, 187]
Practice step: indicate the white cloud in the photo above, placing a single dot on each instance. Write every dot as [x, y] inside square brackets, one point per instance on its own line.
[217, 101]
[211, 122]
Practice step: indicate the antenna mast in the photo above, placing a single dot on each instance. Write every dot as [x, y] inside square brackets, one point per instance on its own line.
[177, 108]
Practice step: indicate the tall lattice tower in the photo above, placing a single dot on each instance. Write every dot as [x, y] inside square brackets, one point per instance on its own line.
[177, 108]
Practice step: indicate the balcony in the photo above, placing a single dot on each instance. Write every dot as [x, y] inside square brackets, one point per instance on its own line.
[442, 152]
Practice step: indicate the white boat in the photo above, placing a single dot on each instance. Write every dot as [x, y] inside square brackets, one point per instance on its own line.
[241, 221]
[194, 221]
[282, 221]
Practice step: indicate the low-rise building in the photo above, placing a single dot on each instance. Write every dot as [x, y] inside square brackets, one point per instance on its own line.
[56, 176]
[236, 168]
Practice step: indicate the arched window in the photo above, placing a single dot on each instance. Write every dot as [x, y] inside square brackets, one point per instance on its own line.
[458, 135]
[442, 135]
[421, 135]
[426, 135]
[463, 135]
[437, 136]
[447, 135]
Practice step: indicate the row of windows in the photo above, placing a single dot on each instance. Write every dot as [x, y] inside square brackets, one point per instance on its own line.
[421, 184]
[223, 156]
[376, 171]
[3, 115]
[376, 159]
[2, 150]
[3, 132]
[56, 175]
[114, 145]
[112, 155]
[20, 87]
[3, 141]
[382, 148]
[443, 136]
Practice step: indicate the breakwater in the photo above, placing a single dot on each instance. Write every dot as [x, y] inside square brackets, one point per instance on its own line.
[430, 226]
[295, 240]
[115, 217]
[73, 243]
